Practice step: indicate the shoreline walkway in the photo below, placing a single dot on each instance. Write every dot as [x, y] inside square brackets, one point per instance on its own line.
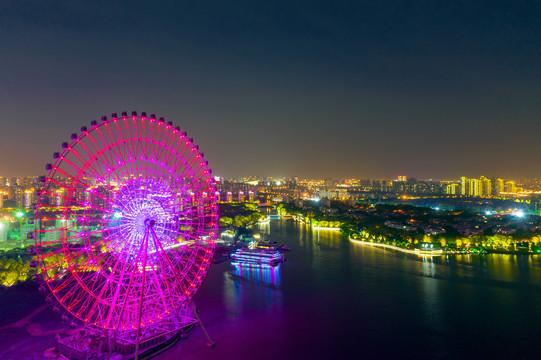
[392, 247]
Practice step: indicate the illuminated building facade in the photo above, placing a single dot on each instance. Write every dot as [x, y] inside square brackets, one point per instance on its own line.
[476, 187]
[499, 186]
[452, 189]
[510, 187]
[28, 197]
[464, 186]
[486, 186]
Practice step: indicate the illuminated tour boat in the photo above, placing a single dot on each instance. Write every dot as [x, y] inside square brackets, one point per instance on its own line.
[261, 257]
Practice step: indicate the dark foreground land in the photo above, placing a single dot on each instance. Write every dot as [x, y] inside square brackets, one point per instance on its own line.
[28, 324]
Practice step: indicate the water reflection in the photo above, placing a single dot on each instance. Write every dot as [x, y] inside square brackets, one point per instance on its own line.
[498, 269]
[429, 267]
[329, 238]
[248, 287]
[336, 299]
[431, 291]
[265, 275]
[264, 228]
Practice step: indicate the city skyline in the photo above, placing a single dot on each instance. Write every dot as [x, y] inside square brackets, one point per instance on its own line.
[22, 192]
[312, 89]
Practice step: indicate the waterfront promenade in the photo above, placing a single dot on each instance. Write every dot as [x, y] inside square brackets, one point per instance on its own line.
[416, 251]
[368, 243]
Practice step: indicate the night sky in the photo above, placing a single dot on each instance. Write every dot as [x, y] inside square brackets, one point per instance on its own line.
[365, 89]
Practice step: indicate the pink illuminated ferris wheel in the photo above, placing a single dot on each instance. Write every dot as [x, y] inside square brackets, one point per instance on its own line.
[126, 224]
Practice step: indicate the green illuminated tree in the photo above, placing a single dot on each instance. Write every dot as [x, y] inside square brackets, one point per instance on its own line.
[226, 221]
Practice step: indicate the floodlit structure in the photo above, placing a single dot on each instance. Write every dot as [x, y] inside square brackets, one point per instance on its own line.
[132, 204]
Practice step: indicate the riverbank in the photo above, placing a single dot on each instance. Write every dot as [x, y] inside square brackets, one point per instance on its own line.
[440, 252]
[408, 251]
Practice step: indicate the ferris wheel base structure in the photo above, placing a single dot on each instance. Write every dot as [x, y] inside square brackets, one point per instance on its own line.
[85, 344]
[125, 233]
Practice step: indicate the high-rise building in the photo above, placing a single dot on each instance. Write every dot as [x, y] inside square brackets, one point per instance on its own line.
[59, 197]
[474, 187]
[486, 186]
[452, 189]
[28, 197]
[510, 187]
[464, 186]
[499, 186]
[329, 182]
[18, 195]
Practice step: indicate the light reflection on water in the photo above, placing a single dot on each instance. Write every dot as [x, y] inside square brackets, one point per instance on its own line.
[504, 268]
[246, 287]
[432, 303]
[264, 275]
[338, 299]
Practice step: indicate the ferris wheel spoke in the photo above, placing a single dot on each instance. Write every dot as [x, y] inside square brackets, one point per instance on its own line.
[117, 291]
[161, 252]
[98, 165]
[106, 144]
[113, 139]
[130, 146]
[84, 234]
[156, 285]
[72, 167]
[89, 154]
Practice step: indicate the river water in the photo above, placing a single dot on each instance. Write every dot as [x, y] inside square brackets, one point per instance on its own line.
[333, 299]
